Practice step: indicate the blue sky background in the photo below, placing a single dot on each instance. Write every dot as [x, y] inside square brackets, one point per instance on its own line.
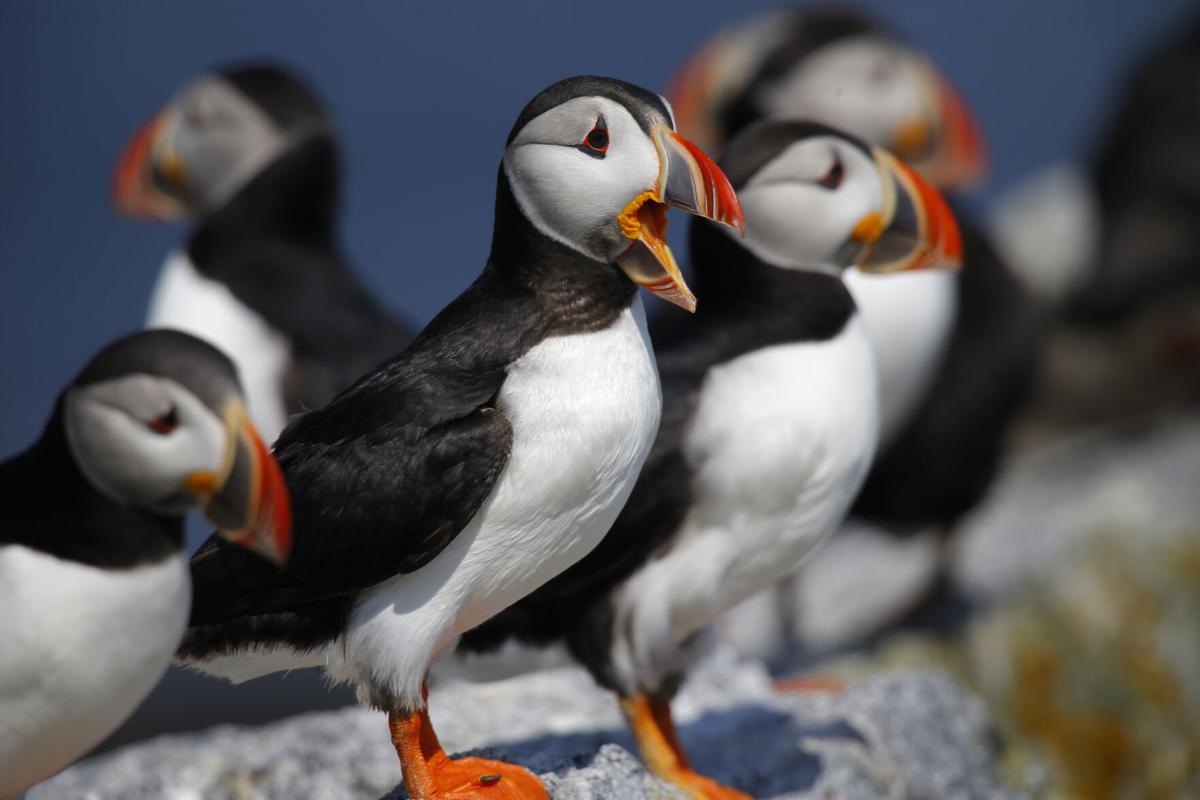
[425, 92]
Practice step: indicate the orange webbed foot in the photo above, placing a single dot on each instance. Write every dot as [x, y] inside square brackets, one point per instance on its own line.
[482, 779]
[430, 774]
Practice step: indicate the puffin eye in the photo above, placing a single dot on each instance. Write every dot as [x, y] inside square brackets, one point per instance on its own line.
[595, 144]
[832, 179]
[193, 117]
[165, 423]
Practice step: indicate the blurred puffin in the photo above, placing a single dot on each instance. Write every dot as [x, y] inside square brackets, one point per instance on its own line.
[94, 590]
[1147, 179]
[955, 353]
[769, 426]
[251, 154]
[492, 453]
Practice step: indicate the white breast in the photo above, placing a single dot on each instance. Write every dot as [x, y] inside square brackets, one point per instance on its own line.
[185, 300]
[778, 446]
[80, 647]
[909, 318]
[584, 410]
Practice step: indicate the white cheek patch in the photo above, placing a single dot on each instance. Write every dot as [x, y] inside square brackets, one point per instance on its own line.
[795, 223]
[840, 86]
[236, 142]
[122, 456]
[570, 196]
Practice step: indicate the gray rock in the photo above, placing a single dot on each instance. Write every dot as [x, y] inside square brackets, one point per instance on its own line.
[901, 734]
[1052, 503]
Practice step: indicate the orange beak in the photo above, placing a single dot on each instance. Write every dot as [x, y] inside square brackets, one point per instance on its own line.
[960, 160]
[142, 168]
[689, 180]
[914, 230]
[252, 508]
[691, 90]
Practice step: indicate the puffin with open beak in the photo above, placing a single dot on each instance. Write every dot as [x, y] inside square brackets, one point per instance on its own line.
[770, 421]
[955, 353]
[493, 452]
[250, 154]
[94, 589]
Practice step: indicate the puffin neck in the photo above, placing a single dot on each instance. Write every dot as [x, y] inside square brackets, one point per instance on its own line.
[295, 199]
[729, 279]
[54, 509]
[574, 293]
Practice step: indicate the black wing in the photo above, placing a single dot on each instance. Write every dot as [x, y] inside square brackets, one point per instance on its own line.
[944, 458]
[759, 306]
[336, 329]
[383, 477]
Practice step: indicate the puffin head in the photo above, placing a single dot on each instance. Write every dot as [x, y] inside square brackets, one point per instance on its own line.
[594, 163]
[218, 132]
[839, 68]
[157, 420]
[819, 199]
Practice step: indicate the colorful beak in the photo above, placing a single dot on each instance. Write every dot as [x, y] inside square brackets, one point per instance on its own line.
[947, 147]
[251, 508]
[915, 229]
[689, 180]
[691, 90]
[149, 164]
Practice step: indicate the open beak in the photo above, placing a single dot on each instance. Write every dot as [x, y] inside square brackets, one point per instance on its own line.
[946, 145]
[250, 507]
[151, 178]
[689, 180]
[915, 229]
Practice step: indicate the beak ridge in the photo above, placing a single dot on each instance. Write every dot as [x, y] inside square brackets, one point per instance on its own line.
[252, 508]
[689, 180]
[916, 229]
[134, 191]
[693, 182]
[960, 160]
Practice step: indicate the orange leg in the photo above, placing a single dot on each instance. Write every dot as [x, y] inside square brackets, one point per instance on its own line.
[430, 774]
[656, 736]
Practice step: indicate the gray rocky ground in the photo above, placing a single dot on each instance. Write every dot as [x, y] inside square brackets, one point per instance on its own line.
[1074, 536]
[904, 734]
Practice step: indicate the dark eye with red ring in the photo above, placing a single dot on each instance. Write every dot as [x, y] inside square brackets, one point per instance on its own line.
[833, 178]
[595, 144]
[165, 423]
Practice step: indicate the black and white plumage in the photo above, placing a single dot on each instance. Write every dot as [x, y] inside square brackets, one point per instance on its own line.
[250, 153]
[94, 590]
[770, 414]
[497, 449]
[955, 352]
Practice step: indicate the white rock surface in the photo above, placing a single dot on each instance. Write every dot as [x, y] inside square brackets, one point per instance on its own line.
[1049, 503]
[905, 734]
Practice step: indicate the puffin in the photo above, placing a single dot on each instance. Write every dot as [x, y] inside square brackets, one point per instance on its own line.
[955, 351]
[94, 589]
[494, 451]
[770, 421]
[250, 154]
[1146, 178]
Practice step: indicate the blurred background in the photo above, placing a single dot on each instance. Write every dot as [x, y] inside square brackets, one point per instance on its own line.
[424, 94]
